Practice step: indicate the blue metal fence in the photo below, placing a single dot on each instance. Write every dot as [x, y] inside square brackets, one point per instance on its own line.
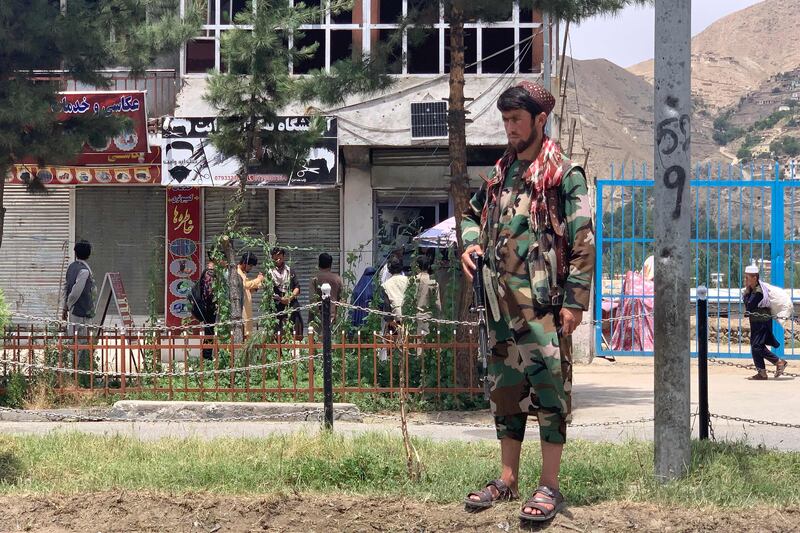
[740, 214]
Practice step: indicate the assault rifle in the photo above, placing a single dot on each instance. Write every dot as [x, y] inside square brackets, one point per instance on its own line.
[479, 306]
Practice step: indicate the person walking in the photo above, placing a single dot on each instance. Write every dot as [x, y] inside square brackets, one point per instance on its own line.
[532, 222]
[246, 264]
[761, 334]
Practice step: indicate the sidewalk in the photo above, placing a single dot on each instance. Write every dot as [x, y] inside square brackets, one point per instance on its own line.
[604, 393]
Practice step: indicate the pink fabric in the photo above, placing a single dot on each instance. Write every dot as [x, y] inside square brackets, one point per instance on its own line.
[634, 334]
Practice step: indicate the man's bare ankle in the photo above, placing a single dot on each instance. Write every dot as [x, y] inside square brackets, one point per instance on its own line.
[510, 481]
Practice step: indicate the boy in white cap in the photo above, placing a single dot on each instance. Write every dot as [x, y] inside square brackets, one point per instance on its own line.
[760, 326]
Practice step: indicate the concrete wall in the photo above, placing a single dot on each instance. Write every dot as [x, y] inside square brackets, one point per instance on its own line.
[385, 119]
[357, 207]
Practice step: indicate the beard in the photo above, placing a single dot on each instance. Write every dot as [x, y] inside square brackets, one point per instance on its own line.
[521, 146]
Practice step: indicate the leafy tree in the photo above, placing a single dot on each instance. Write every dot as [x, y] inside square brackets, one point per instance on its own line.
[788, 146]
[791, 146]
[724, 131]
[257, 86]
[744, 154]
[711, 249]
[81, 38]
[771, 120]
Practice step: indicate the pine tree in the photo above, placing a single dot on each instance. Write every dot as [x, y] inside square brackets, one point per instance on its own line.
[82, 38]
[257, 86]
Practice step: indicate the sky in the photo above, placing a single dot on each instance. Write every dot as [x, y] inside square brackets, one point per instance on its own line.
[627, 38]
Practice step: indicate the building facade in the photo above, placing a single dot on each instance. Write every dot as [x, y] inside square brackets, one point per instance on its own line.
[393, 155]
[392, 164]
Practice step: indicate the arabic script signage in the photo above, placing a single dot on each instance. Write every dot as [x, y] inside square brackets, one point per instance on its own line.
[126, 148]
[184, 264]
[189, 157]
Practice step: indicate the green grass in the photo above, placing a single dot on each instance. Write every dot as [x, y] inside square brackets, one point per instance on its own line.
[727, 475]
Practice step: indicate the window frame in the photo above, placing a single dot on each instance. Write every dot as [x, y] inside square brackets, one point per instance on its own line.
[366, 27]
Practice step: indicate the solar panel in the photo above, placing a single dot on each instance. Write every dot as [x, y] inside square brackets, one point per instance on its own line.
[428, 120]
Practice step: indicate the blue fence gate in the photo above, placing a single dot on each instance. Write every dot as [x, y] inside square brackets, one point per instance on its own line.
[739, 214]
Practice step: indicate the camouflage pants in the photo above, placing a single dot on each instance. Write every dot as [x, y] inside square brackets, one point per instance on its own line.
[531, 373]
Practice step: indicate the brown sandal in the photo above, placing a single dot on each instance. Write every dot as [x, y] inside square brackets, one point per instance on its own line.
[486, 496]
[781, 367]
[552, 497]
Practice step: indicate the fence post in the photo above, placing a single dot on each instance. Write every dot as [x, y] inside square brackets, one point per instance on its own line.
[327, 356]
[123, 347]
[702, 360]
[777, 246]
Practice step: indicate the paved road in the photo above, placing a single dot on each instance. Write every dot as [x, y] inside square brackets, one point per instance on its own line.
[604, 392]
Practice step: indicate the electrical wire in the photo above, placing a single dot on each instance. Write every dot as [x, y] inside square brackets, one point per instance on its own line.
[577, 94]
[426, 83]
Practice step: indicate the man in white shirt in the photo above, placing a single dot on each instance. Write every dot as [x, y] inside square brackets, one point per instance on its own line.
[394, 290]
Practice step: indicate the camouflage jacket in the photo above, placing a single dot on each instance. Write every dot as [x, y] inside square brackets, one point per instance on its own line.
[519, 249]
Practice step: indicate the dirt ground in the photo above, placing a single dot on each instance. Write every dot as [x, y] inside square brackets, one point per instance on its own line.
[108, 512]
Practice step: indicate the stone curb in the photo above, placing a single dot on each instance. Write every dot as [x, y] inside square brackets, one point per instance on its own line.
[192, 411]
[159, 410]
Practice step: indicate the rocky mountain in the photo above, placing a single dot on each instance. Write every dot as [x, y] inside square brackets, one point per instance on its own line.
[740, 52]
[616, 117]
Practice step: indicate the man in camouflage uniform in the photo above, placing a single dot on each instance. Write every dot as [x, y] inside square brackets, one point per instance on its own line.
[532, 222]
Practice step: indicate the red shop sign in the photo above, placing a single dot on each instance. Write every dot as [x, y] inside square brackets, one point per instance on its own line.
[183, 260]
[127, 147]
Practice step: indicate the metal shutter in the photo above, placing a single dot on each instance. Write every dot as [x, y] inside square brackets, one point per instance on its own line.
[254, 215]
[308, 219]
[126, 226]
[35, 250]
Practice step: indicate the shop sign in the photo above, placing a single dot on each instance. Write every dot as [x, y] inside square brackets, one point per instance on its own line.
[189, 157]
[184, 262]
[129, 147]
[148, 172]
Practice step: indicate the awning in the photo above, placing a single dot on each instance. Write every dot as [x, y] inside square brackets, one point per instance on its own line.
[442, 235]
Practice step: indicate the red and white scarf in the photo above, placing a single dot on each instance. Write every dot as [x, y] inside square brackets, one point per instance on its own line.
[544, 173]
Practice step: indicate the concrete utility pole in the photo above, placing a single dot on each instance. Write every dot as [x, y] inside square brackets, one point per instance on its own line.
[672, 230]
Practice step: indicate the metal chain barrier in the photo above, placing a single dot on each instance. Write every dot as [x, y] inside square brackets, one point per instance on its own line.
[387, 314]
[491, 426]
[756, 422]
[163, 374]
[239, 322]
[744, 367]
[144, 329]
[444, 322]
